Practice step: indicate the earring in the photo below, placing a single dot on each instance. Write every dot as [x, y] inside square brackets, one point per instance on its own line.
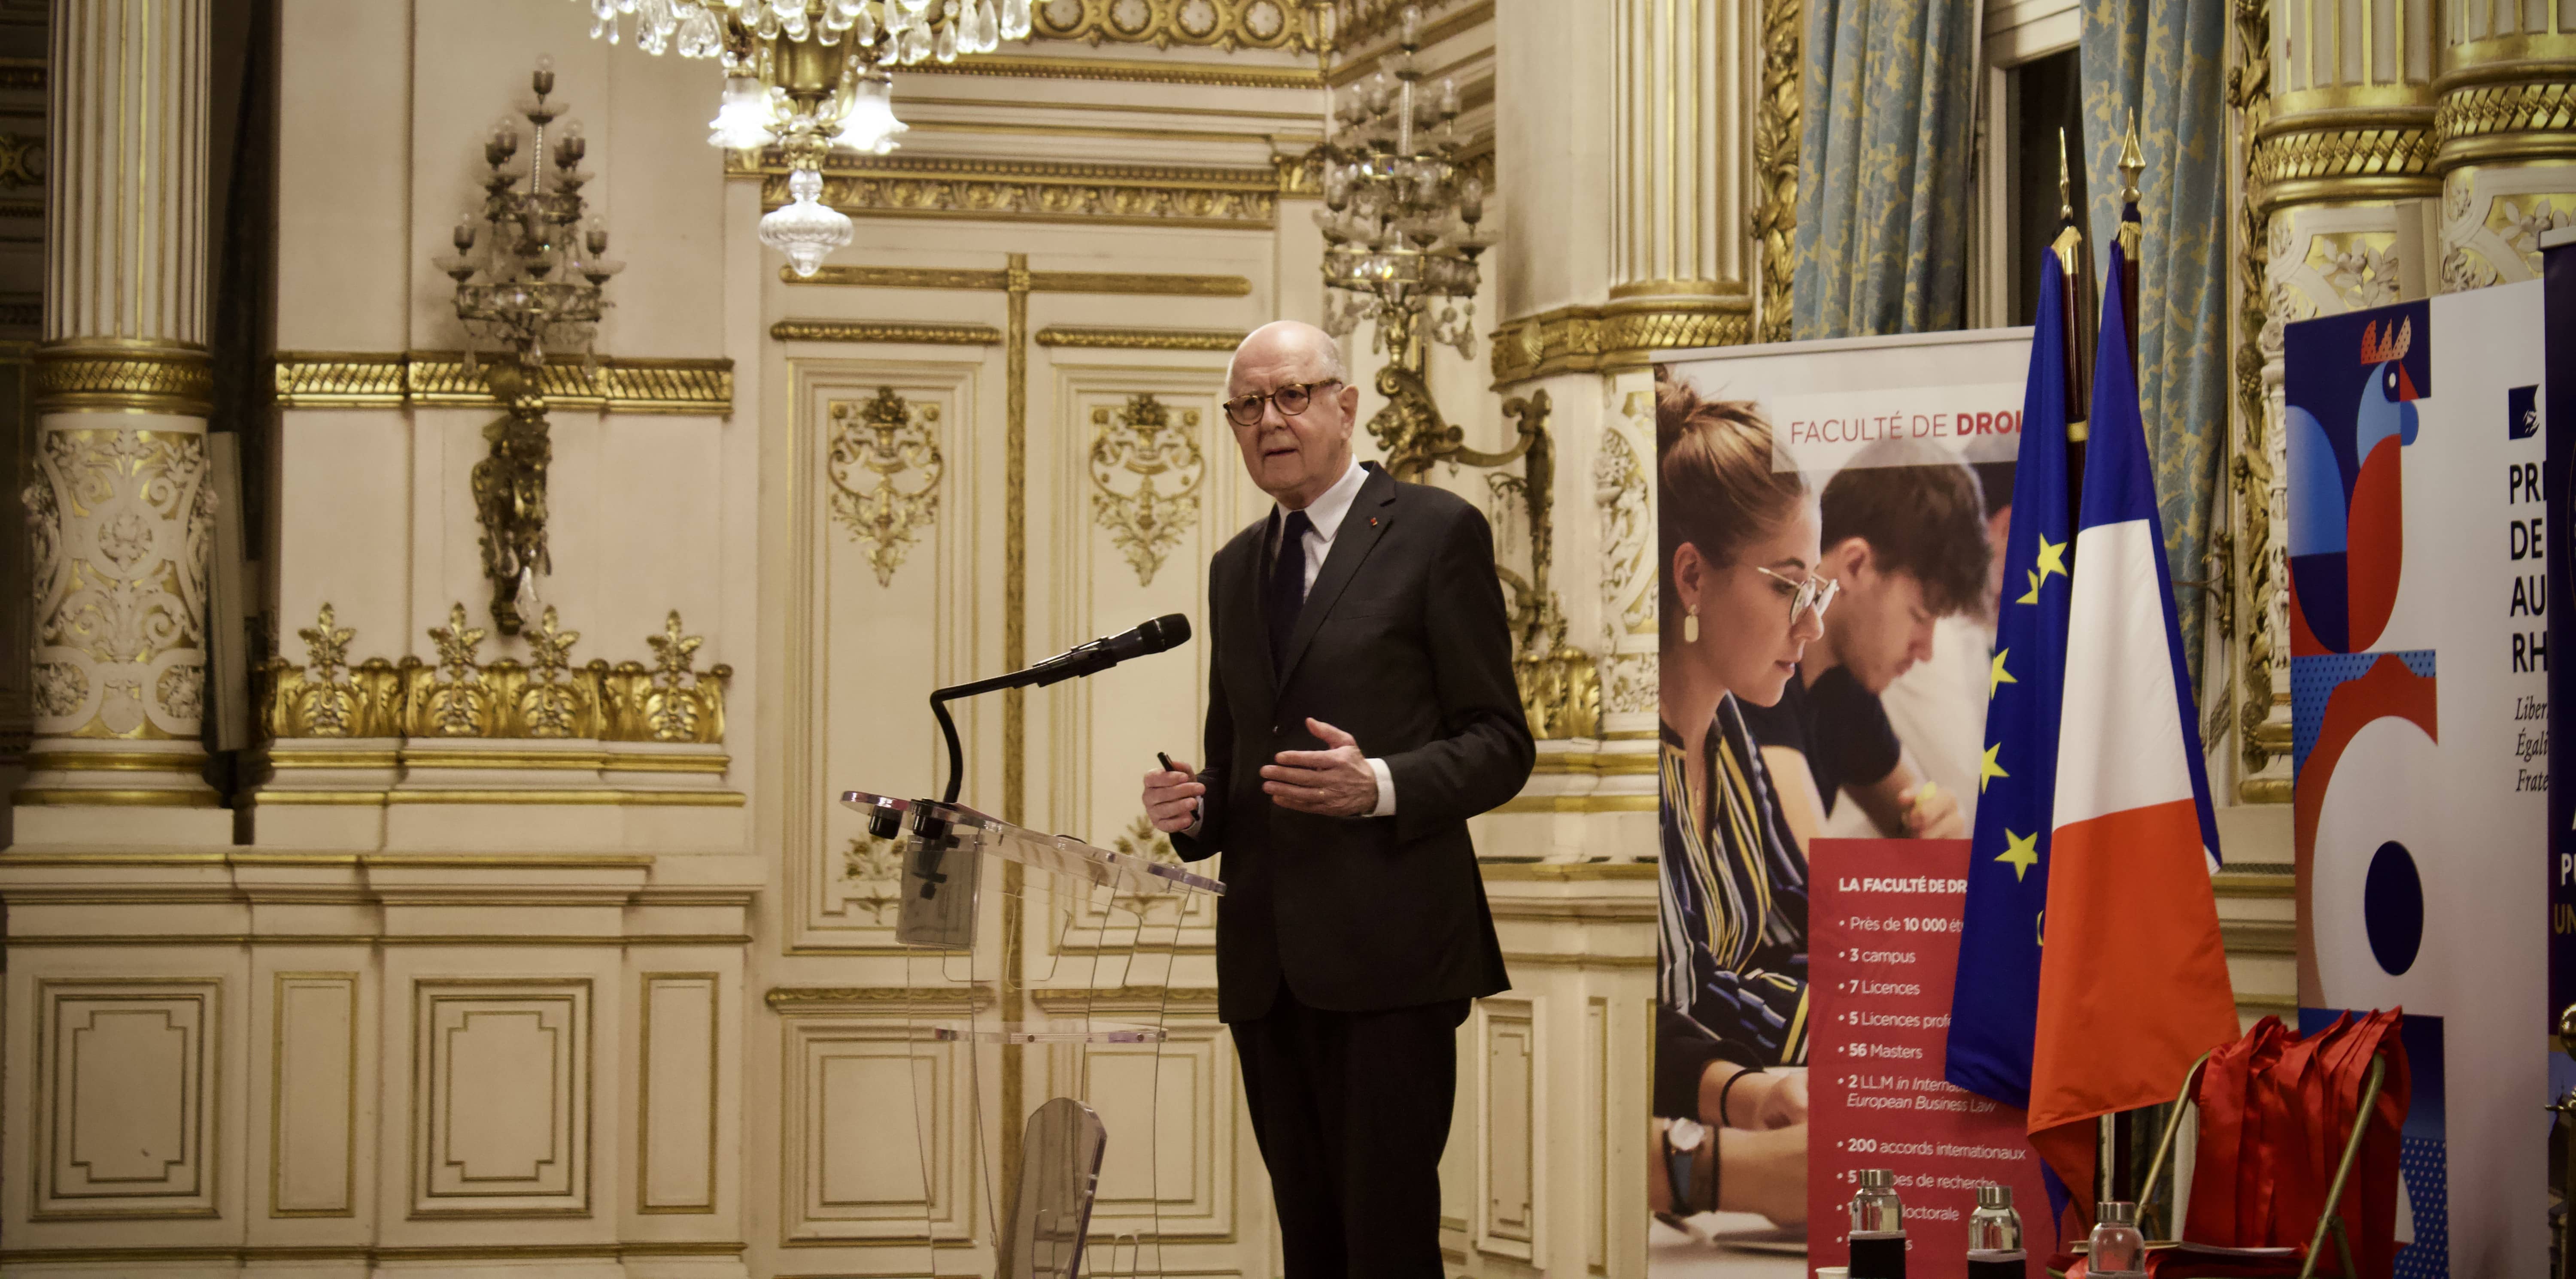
[1690, 626]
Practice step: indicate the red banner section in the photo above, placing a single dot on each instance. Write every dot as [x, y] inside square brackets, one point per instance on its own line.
[1883, 946]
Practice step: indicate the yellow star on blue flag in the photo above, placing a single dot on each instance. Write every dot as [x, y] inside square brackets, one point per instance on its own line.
[2021, 852]
[1988, 770]
[2052, 558]
[1998, 676]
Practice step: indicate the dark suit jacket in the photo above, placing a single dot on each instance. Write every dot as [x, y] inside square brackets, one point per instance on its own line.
[1404, 644]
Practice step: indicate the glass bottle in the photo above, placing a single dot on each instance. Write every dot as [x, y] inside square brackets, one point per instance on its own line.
[2117, 1249]
[1994, 1236]
[1877, 1227]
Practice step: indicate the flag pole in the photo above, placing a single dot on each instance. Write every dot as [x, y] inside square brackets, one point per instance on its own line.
[2133, 162]
[2118, 1127]
[2076, 266]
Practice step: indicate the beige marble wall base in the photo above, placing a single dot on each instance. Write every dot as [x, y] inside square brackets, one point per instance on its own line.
[1546, 1172]
[119, 826]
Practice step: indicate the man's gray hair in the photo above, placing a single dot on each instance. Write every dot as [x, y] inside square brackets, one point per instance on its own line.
[1319, 344]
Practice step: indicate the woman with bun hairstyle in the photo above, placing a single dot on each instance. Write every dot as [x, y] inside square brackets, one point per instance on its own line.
[1740, 602]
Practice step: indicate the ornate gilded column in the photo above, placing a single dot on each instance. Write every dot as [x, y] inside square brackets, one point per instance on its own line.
[2504, 137]
[2336, 103]
[120, 509]
[1679, 171]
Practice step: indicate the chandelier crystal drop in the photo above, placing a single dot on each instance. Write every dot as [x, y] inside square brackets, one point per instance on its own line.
[1402, 213]
[805, 228]
[806, 76]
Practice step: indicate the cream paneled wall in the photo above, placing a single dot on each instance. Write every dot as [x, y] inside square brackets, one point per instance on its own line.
[488, 1005]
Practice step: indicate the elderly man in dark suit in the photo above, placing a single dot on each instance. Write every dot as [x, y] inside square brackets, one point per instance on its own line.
[1361, 708]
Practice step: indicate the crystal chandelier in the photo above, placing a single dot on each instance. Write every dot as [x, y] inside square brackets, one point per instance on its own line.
[1401, 211]
[537, 278]
[809, 75]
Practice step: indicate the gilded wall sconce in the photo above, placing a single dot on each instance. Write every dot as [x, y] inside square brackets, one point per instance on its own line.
[530, 272]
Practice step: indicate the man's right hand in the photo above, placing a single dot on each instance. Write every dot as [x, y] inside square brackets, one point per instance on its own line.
[1172, 797]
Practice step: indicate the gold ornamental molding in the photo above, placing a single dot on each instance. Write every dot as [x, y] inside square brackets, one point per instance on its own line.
[2509, 111]
[440, 379]
[1131, 70]
[2249, 472]
[1620, 335]
[1565, 340]
[1123, 339]
[885, 467]
[2358, 153]
[1038, 191]
[1110, 282]
[105, 375]
[461, 696]
[1775, 164]
[1222, 24]
[927, 334]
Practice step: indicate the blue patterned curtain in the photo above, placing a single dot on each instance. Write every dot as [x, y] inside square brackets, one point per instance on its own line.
[2166, 60]
[1889, 88]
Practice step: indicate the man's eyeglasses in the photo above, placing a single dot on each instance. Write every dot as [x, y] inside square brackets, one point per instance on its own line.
[1816, 592]
[1292, 400]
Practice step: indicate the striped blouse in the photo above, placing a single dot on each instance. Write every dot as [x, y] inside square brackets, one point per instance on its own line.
[1732, 959]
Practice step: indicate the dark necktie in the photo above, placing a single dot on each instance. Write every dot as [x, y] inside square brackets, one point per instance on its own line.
[1287, 586]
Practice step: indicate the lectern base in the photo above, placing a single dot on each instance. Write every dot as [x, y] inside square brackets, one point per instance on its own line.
[1051, 1196]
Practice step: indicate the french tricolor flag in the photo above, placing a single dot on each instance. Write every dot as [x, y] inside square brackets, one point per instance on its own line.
[2132, 977]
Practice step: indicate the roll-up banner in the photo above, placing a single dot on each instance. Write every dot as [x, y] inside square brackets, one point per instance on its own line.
[1884, 465]
[2419, 673]
[2558, 487]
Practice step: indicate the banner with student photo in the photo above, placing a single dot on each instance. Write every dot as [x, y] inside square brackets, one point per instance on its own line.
[1831, 516]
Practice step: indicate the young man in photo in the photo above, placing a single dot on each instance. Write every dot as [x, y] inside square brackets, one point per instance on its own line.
[1905, 536]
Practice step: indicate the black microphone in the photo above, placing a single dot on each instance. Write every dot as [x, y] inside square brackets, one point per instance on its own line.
[1168, 631]
[1171, 630]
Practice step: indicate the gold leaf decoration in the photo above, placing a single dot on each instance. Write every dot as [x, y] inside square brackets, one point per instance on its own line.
[462, 696]
[885, 469]
[1130, 450]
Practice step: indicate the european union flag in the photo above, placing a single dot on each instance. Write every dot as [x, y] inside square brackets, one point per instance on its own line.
[1994, 1007]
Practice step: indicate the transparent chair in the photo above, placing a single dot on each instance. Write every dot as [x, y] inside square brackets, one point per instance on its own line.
[1038, 973]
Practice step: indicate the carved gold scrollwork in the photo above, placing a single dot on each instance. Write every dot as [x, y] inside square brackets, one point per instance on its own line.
[119, 524]
[462, 696]
[1627, 536]
[1041, 191]
[22, 160]
[1775, 164]
[898, 445]
[673, 702]
[328, 697]
[1128, 450]
[2249, 92]
[876, 870]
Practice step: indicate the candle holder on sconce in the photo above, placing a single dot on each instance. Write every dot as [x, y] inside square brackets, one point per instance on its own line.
[530, 271]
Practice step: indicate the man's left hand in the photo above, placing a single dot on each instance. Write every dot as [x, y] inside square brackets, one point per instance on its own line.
[1334, 782]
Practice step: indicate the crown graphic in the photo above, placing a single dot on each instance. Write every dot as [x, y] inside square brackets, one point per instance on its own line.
[2381, 346]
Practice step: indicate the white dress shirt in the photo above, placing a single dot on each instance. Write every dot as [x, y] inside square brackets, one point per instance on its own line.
[1325, 514]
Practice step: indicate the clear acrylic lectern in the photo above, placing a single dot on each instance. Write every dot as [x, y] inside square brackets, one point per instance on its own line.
[1054, 957]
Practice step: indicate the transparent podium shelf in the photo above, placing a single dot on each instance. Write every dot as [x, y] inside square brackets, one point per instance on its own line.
[1056, 854]
[1065, 1031]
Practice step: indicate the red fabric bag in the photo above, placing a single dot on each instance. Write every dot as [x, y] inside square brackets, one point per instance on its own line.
[2276, 1108]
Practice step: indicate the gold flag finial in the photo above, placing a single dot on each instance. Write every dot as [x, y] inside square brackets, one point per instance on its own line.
[2132, 162]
